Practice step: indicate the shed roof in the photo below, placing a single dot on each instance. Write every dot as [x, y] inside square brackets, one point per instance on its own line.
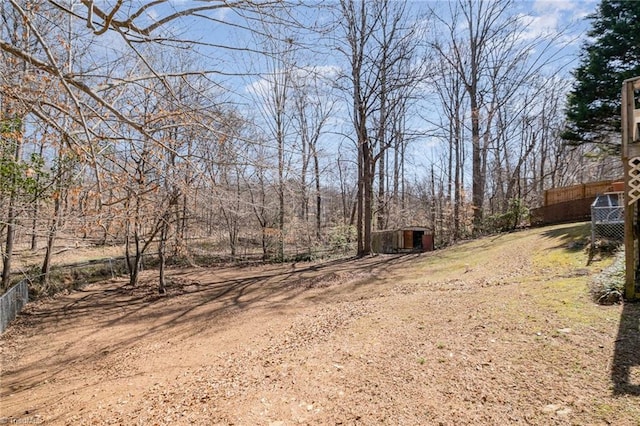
[406, 228]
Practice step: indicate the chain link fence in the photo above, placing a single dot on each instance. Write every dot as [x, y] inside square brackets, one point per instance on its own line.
[607, 219]
[12, 302]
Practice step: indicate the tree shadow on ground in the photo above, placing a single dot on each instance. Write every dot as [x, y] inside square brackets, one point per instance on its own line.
[119, 302]
[577, 238]
[206, 298]
[626, 357]
[571, 237]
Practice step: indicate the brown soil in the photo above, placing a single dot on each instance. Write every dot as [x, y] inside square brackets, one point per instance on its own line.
[496, 331]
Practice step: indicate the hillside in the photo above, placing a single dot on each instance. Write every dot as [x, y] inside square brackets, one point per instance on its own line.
[495, 331]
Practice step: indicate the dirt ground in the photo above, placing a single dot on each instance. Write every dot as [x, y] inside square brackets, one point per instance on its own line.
[495, 331]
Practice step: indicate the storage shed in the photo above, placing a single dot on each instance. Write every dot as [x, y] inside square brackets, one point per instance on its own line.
[405, 239]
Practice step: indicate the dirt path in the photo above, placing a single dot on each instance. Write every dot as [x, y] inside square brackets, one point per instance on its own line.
[496, 331]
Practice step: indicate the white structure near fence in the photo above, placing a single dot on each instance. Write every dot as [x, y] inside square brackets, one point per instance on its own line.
[12, 302]
[607, 217]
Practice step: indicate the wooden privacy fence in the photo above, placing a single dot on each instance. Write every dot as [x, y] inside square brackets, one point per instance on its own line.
[577, 192]
[571, 203]
[12, 302]
[568, 211]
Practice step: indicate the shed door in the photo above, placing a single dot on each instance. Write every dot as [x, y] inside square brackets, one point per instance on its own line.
[408, 239]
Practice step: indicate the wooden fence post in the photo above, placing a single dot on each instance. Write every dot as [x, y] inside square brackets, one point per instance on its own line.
[631, 163]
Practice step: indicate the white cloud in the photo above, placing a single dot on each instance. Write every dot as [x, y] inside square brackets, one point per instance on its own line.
[554, 5]
[540, 26]
[221, 14]
[258, 87]
[565, 10]
[325, 73]
[551, 18]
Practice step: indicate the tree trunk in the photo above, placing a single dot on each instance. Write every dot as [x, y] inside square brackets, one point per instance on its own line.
[51, 237]
[457, 197]
[12, 215]
[304, 198]
[164, 230]
[382, 142]
[359, 201]
[8, 248]
[368, 177]
[316, 169]
[135, 269]
[34, 224]
[381, 220]
[478, 178]
[36, 209]
[281, 200]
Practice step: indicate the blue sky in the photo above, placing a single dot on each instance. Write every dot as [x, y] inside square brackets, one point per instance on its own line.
[545, 17]
[562, 20]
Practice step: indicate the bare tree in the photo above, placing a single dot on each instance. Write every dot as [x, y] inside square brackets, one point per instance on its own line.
[450, 93]
[272, 98]
[313, 107]
[92, 108]
[484, 45]
[225, 160]
[20, 85]
[378, 47]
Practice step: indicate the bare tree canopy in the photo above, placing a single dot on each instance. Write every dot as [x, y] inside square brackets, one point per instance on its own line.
[178, 129]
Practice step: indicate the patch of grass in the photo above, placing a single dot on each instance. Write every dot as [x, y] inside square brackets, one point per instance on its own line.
[559, 259]
[569, 253]
[605, 410]
[574, 235]
[566, 299]
[465, 256]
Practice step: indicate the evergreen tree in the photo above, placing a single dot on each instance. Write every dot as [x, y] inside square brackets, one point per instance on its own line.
[611, 56]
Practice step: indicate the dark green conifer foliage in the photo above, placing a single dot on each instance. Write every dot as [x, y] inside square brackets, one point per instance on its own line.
[608, 58]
